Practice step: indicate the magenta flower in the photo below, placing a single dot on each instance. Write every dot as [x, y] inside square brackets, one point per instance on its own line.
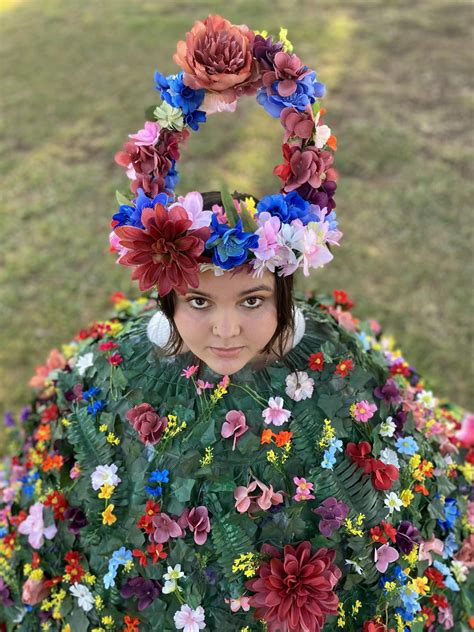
[197, 521]
[275, 413]
[148, 135]
[165, 528]
[189, 371]
[234, 425]
[363, 411]
[383, 556]
[303, 489]
[33, 527]
[264, 500]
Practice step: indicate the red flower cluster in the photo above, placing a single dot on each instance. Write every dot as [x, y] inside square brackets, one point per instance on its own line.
[146, 521]
[341, 298]
[380, 534]
[155, 551]
[375, 626]
[51, 413]
[96, 331]
[435, 576]
[58, 502]
[108, 346]
[294, 590]
[383, 475]
[73, 568]
[115, 359]
[316, 361]
[439, 600]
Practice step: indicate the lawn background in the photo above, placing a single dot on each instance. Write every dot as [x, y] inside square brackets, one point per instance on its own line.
[76, 79]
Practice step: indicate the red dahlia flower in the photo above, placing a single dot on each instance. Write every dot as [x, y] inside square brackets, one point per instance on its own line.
[164, 253]
[294, 590]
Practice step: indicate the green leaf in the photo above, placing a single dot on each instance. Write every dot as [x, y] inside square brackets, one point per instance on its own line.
[329, 404]
[182, 488]
[121, 198]
[228, 204]
[90, 445]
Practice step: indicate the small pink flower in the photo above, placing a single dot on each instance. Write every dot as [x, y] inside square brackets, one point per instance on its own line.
[383, 556]
[165, 528]
[303, 489]
[299, 385]
[363, 410]
[224, 383]
[33, 527]
[235, 424]
[189, 371]
[466, 433]
[247, 502]
[190, 620]
[148, 135]
[432, 545]
[275, 413]
[75, 471]
[193, 204]
[240, 602]
[201, 386]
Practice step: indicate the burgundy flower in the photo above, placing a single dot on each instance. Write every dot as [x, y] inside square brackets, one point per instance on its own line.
[333, 513]
[294, 589]
[407, 536]
[145, 165]
[299, 124]
[146, 590]
[399, 419]
[360, 453]
[388, 392]
[149, 425]
[383, 475]
[264, 51]
[375, 626]
[310, 165]
[287, 69]
[197, 521]
[217, 56]
[164, 253]
[322, 197]
[77, 519]
[165, 528]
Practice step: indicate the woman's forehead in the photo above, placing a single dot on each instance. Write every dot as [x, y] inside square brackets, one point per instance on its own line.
[232, 285]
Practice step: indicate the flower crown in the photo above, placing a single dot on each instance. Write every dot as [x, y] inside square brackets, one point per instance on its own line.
[168, 239]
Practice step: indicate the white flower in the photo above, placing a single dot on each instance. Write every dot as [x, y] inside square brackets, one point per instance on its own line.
[190, 620]
[387, 427]
[105, 474]
[299, 386]
[358, 569]
[84, 362]
[171, 577]
[393, 502]
[427, 399]
[389, 457]
[83, 595]
[460, 571]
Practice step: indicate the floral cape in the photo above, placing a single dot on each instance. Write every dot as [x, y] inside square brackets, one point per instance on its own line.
[146, 494]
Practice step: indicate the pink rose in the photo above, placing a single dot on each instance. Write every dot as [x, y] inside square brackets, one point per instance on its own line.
[149, 425]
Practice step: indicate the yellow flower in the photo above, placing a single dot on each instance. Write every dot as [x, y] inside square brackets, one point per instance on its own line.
[287, 45]
[420, 585]
[65, 422]
[108, 517]
[68, 351]
[128, 566]
[99, 602]
[106, 491]
[356, 607]
[107, 620]
[208, 457]
[415, 461]
[90, 579]
[247, 562]
[406, 497]
[250, 204]
[412, 557]
[37, 574]
[103, 427]
[111, 438]
[116, 328]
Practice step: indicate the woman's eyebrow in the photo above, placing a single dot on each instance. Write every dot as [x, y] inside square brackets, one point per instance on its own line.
[257, 288]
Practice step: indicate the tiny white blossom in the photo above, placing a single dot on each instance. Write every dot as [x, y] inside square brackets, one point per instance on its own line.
[389, 457]
[387, 427]
[84, 362]
[171, 579]
[393, 502]
[83, 595]
[358, 569]
[427, 399]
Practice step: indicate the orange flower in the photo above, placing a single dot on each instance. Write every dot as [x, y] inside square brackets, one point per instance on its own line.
[52, 462]
[131, 624]
[267, 436]
[43, 433]
[282, 438]
[422, 489]
[55, 360]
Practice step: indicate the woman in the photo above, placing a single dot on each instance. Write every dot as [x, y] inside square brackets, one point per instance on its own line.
[240, 460]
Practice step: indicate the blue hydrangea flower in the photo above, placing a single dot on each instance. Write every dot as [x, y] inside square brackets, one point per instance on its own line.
[91, 392]
[193, 119]
[450, 546]
[451, 514]
[159, 476]
[230, 245]
[406, 445]
[96, 407]
[172, 177]
[306, 93]
[287, 207]
[131, 214]
[174, 91]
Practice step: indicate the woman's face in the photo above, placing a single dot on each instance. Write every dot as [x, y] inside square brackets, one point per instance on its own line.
[228, 319]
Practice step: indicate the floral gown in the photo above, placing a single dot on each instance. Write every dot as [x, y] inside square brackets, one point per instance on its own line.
[327, 491]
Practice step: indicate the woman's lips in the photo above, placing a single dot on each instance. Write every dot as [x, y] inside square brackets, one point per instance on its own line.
[230, 352]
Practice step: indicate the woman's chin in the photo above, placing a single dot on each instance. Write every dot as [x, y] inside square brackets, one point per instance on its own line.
[224, 366]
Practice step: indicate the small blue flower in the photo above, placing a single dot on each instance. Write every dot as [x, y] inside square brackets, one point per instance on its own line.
[28, 490]
[91, 392]
[159, 476]
[131, 214]
[362, 336]
[306, 93]
[451, 514]
[3, 531]
[153, 491]
[442, 568]
[194, 119]
[331, 219]
[287, 207]
[450, 546]
[329, 460]
[174, 91]
[96, 407]
[230, 245]
[121, 556]
[172, 177]
[335, 446]
[109, 578]
[451, 583]
[406, 445]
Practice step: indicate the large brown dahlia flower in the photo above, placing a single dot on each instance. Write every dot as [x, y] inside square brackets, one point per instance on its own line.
[163, 253]
[217, 56]
[294, 590]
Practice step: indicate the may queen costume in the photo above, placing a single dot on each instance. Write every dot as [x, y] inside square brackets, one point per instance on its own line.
[328, 490]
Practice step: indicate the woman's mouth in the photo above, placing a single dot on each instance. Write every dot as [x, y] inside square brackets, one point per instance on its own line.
[226, 352]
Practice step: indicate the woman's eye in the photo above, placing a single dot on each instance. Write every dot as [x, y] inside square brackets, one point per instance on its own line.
[197, 303]
[255, 301]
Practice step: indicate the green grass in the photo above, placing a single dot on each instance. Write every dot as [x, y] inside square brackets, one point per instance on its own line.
[77, 77]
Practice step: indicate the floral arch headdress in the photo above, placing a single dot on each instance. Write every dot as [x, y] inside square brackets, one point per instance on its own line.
[169, 239]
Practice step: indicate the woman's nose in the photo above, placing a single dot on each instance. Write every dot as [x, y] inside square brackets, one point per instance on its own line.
[226, 326]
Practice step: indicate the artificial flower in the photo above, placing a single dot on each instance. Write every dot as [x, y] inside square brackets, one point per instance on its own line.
[148, 424]
[235, 425]
[197, 521]
[165, 528]
[83, 595]
[33, 591]
[303, 489]
[393, 502]
[105, 474]
[146, 591]
[275, 413]
[383, 556]
[264, 499]
[316, 361]
[33, 526]
[333, 512]
[299, 386]
[363, 410]
[190, 619]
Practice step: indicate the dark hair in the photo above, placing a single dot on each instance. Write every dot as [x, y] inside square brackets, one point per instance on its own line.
[283, 298]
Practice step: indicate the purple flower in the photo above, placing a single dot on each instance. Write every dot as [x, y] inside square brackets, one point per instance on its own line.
[399, 419]
[77, 517]
[146, 590]
[5, 598]
[333, 513]
[264, 50]
[407, 536]
[322, 196]
[165, 528]
[25, 413]
[9, 419]
[388, 392]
